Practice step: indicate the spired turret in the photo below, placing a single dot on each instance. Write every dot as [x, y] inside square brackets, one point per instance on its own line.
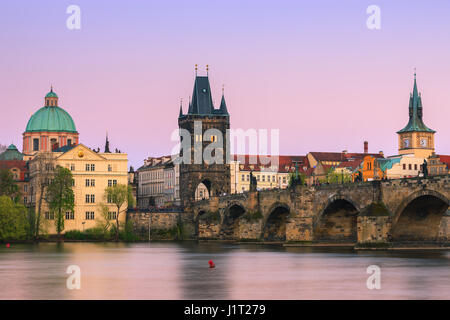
[416, 138]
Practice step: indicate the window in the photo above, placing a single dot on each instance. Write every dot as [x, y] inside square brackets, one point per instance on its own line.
[243, 177]
[92, 182]
[25, 200]
[109, 199]
[415, 166]
[273, 178]
[109, 167]
[87, 198]
[263, 178]
[92, 198]
[88, 182]
[69, 215]
[36, 144]
[25, 188]
[109, 183]
[49, 215]
[404, 166]
[248, 177]
[72, 167]
[90, 215]
[114, 182]
[112, 215]
[284, 179]
[409, 166]
[92, 167]
[69, 142]
[73, 182]
[88, 167]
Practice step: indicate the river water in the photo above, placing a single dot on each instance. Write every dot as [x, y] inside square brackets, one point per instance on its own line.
[168, 270]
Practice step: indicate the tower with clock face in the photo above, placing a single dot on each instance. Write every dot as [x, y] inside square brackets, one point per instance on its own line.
[416, 138]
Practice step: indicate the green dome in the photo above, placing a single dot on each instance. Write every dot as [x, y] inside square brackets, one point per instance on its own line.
[51, 94]
[11, 153]
[51, 118]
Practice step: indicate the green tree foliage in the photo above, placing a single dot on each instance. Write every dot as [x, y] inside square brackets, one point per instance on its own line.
[13, 220]
[336, 177]
[118, 195]
[60, 196]
[131, 201]
[296, 179]
[8, 186]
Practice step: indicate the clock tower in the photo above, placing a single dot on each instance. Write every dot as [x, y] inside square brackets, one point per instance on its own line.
[416, 138]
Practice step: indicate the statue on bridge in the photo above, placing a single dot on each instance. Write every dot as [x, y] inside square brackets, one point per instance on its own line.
[253, 181]
[425, 168]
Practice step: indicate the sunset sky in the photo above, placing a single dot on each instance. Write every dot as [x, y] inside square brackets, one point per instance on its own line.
[309, 68]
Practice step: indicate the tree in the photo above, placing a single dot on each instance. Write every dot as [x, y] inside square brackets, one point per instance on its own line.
[60, 197]
[117, 195]
[336, 177]
[41, 173]
[2, 148]
[13, 219]
[130, 200]
[296, 179]
[8, 186]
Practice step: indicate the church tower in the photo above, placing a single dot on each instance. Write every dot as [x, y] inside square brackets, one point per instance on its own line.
[199, 120]
[416, 138]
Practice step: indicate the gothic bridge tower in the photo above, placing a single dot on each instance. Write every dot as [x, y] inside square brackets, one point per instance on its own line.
[200, 178]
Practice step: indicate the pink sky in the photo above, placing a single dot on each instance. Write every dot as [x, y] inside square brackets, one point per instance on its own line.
[313, 71]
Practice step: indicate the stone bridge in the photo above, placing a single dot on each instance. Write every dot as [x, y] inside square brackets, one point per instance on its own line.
[375, 212]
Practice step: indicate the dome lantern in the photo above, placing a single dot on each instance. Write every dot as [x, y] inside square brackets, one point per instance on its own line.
[51, 98]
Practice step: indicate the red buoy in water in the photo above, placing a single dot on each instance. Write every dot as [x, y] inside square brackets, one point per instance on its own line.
[211, 264]
[8, 245]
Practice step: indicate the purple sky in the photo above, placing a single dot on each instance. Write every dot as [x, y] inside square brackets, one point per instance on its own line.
[310, 68]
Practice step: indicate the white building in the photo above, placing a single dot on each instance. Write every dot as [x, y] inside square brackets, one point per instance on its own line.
[158, 183]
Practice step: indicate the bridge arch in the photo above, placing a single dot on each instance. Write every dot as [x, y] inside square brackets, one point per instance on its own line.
[274, 225]
[419, 216]
[337, 220]
[203, 190]
[231, 221]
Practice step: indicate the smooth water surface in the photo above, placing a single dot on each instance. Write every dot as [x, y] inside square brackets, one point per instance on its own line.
[180, 271]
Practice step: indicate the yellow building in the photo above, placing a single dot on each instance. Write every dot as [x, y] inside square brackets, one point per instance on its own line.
[92, 173]
[271, 172]
[416, 138]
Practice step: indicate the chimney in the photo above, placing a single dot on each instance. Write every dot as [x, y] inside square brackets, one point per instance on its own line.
[366, 147]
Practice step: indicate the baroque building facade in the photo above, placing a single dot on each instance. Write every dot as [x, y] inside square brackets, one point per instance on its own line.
[92, 172]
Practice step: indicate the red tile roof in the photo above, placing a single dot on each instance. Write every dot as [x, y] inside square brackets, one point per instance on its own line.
[285, 163]
[353, 164]
[445, 159]
[342, 156]
[19, 164]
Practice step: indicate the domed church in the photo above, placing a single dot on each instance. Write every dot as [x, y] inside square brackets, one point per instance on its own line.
[49, 128]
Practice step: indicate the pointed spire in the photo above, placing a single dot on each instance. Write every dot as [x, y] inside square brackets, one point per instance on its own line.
[107, 144]
[181, 108]
[415, 111]
[223, 106]
[207, 70]
[415, 91]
